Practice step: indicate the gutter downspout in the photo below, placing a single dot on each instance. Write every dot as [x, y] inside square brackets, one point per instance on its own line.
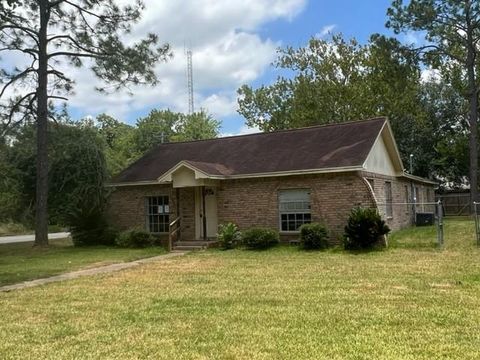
[413, 192]
[371, 191]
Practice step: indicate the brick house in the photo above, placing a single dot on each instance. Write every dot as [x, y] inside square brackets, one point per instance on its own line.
[279, 180]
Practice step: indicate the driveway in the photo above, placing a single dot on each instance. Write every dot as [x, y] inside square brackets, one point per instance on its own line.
[27, 238]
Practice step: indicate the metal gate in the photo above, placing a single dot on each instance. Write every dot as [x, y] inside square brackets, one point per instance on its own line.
[476, 208]
[427, 213]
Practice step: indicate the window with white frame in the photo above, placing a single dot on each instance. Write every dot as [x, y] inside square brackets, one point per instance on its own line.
[158, 210]
[294, 209]
[388, 199]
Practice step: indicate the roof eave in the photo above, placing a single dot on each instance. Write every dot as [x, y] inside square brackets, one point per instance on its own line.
[184, 163]
[161, 180]
[420, 179]
[134, 183]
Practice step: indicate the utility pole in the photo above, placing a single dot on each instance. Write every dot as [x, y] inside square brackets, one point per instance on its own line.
[191, 107]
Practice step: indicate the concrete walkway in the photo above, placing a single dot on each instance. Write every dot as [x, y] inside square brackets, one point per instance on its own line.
[28, 238]
[93, 271]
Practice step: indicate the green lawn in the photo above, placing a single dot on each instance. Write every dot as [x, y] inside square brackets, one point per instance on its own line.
[412, 301]
[21, 261]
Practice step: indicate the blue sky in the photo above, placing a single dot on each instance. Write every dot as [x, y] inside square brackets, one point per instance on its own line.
[233, 43]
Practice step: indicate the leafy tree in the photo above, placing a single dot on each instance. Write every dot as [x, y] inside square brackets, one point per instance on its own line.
[326, 87]
[167, 126]
[339, 80]
[157, 127]
[10, 189]
[77, 168]
[55, 34]
[119, 137]
[452, 32]
[443, 131]
[196, 126]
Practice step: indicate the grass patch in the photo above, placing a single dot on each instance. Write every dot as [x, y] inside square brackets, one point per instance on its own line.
[22, 261]
[284, 303]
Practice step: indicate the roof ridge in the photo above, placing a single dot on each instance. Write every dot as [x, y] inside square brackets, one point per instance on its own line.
[384, 118]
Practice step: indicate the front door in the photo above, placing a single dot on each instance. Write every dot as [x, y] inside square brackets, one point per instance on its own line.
[206, 207]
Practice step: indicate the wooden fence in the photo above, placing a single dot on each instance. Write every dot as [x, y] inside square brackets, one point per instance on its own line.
[457, 204]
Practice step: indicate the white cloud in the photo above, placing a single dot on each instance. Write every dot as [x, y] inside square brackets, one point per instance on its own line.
[430, 74]
[220, 104]
[326, 30]
[244, 130]
[227, 52]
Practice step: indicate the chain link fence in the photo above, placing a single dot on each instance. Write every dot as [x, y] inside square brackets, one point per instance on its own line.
[476, 211]
[417, 214]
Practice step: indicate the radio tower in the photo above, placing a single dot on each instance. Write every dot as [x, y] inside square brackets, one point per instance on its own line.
[191, 107]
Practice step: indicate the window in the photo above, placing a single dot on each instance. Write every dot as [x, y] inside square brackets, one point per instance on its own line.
[388, 199]
[158, 214]
[294, 209]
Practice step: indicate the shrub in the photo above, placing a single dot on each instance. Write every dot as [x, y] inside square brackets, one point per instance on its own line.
[260, 238]
[229, 236]
[313, 236]
[134, 239]
[364, 230]
[13, 228]
[89, 227]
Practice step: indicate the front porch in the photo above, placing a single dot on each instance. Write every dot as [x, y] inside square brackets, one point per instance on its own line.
[195, 221]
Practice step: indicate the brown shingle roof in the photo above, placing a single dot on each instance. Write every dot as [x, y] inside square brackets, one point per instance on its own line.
[312, 148]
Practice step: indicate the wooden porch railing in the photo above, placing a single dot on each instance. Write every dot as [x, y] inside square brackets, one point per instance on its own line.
[173, 232]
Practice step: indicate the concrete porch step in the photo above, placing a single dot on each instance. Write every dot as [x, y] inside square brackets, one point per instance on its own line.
[187, 248]
[185, 245]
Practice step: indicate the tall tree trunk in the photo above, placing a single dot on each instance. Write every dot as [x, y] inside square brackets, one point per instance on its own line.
[41, 205]
[473, 143]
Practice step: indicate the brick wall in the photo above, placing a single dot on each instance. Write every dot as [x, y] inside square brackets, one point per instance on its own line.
[126, 208]
[187, 211]
[127, 204]
[401, 194]
[254, 202]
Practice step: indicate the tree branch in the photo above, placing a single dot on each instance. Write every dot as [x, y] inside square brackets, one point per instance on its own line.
[57, 97]
[15, 78]
[55, 3]
[17, 104]
[440, 50]
[103, 18]
[32, 52]
[73, 54]
[82, 10]
[59, 74]
[31, 33]
[77, 44]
